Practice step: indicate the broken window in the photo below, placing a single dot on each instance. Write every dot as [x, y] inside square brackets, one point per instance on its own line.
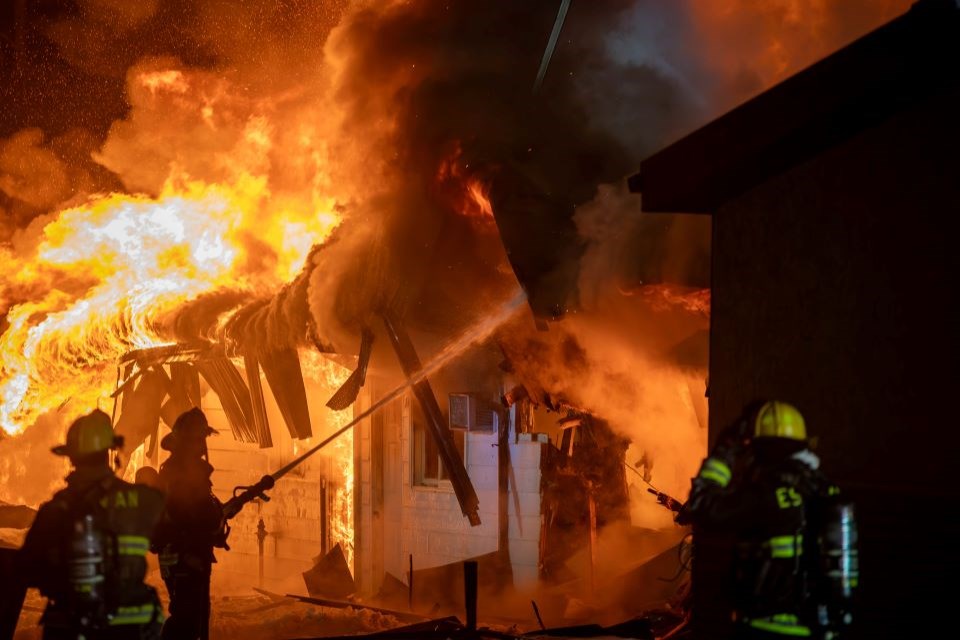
[428, 470]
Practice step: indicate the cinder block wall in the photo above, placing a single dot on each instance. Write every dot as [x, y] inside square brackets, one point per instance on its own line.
[423, 521]
[433, 527]
[524, 508]
[428, 522]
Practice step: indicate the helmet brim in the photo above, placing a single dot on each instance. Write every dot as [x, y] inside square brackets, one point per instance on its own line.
[64, 450]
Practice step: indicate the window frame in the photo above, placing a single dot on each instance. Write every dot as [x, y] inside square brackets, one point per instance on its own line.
[421, 444]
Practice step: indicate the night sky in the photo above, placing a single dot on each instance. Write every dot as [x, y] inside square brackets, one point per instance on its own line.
[64, 61]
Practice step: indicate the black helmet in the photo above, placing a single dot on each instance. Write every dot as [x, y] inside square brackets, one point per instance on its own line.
[191, 425]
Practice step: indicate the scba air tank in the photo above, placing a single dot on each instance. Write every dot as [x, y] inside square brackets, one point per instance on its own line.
[840, 563]
[87, 571]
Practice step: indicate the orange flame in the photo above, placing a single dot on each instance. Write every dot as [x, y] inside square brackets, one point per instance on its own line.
[469, 195]
[332, 376]
[478, 204]
[100, 278]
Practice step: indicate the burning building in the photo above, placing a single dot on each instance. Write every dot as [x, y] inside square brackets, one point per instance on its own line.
[306, 516]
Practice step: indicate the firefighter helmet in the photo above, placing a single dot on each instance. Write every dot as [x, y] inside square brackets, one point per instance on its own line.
[190, 425]
[89, 434]
[780, 420]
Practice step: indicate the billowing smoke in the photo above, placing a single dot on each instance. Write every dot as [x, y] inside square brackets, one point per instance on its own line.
[544, 156]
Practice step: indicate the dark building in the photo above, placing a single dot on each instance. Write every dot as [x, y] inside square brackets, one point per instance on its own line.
[834, 198]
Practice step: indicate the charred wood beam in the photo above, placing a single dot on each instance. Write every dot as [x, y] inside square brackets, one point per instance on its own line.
[127, 383]
[449, 456]
[324, 524]
[470, 593]
[349, 390]
[184, 391]
[503, 486]
[339, 604]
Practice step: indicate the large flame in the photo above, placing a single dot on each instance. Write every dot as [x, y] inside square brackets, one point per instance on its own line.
[99, 278]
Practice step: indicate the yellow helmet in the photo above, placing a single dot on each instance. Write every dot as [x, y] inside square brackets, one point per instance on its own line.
[88, 434]
[780, 420]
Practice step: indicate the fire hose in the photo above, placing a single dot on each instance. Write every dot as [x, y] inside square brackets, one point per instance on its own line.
[662, 498]
[244, 494]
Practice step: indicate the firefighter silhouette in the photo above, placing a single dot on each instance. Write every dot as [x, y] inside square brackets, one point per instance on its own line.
[192, 525]
[796, 565]
[86, 550]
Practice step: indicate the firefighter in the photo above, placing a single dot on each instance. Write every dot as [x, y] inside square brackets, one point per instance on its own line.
[86, 550]
[192, 526]
[795, 564]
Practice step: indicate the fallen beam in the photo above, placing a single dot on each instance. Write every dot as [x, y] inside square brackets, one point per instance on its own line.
[637, 628]
[449, 456]
[339, 604]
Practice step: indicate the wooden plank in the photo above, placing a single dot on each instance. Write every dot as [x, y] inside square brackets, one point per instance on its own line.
[282, 369]
[260, 421]
[216, 373]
